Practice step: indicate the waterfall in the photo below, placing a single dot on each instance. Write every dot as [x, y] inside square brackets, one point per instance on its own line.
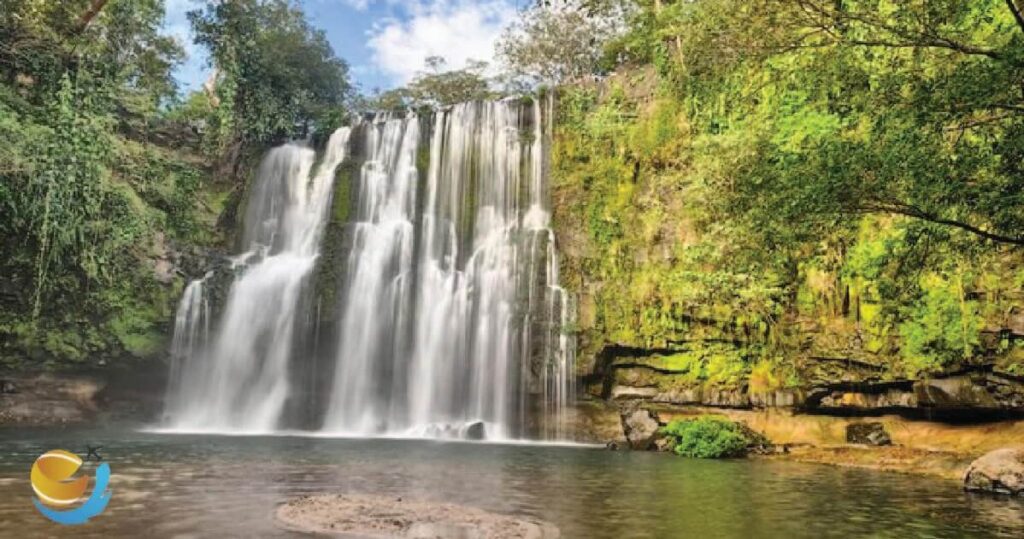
[239, 381]
[191, 333]
[450, 320]
[452, 314]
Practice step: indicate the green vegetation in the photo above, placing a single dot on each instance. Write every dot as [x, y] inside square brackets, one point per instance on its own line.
[438, 87]
[108, 179]
[706, 437]
[760, 185]
[754, 187]
[277, 76]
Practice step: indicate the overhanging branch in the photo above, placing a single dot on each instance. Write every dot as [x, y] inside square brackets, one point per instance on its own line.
[917, 213]
[1016, 13]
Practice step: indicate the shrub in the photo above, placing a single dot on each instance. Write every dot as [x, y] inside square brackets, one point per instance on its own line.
[707, 437]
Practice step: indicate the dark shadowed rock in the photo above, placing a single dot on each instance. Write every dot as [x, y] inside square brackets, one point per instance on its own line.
[641, 428]
[1000, 471]
[475, 431]
[867, 434]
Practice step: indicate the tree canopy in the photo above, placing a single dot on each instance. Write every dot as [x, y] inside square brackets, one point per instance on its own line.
[276, 74]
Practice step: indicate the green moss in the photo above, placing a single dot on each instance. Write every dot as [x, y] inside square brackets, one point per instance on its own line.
[634, 187]
[341, 201]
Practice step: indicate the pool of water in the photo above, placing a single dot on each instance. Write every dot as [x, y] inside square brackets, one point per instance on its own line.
[228, 486]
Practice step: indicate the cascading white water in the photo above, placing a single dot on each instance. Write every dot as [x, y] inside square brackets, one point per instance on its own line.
[450, 321]
[191, 334]
[376, 310]
[453, 284]
[240, 382]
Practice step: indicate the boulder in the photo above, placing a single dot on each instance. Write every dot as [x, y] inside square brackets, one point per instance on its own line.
[475, 431]
[641, 428]
[1000, 471]
[872, 433]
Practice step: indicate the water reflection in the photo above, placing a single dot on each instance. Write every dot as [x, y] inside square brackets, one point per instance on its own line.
[180, 486]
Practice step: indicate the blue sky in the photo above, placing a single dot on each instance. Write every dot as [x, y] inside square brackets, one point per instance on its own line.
[384, 41]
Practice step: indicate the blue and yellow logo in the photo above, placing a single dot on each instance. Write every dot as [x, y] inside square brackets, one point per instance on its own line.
[55, 484]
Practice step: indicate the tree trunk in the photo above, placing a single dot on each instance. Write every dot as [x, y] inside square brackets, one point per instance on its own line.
[89, 15]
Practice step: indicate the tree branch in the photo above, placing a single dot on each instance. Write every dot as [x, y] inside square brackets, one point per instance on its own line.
[89, 15]
[1016, 13]
[917, 213]
[901, 37]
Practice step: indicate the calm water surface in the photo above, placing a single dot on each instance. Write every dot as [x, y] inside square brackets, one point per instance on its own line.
[226, 486]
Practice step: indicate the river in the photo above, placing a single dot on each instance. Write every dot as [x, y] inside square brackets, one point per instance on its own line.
[228, 486]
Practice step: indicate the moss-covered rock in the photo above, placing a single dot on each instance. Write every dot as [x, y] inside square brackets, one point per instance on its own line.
[705, 313]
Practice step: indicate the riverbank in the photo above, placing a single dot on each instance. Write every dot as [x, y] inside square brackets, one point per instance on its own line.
[916, 446]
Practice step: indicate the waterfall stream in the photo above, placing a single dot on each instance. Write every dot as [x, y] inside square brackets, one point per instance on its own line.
[450, 319]
[240, 381]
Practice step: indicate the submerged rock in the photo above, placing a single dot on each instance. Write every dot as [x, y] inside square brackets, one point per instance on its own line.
[385, 516]
[872, 433]
[641, 427]
[1000, 471]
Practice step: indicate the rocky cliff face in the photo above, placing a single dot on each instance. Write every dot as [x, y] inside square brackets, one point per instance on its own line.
[678, 307]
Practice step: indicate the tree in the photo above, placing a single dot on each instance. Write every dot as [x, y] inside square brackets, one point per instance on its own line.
[560, 43]
[437, 87]
[277, 75]
[899, 108]
[117, 41]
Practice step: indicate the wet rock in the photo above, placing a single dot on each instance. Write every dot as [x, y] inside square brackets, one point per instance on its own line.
[664, 444]
[475, 431]
[726, 398]
[777, 399]
[889, 398]
[872, 433]
[1000, 471]
[641, 428]
[955, 392]
[679, 396]
[717, 397]
[595, 421]
[978, 392]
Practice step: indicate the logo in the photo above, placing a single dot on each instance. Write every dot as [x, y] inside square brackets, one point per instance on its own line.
[55, 484]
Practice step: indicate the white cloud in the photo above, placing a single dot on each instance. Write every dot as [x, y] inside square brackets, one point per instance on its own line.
[457, 30]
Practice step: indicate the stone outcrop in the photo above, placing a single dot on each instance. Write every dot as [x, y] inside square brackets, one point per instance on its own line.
[869, 433]
[982, 391]
[1000, 471]
[641, 428]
